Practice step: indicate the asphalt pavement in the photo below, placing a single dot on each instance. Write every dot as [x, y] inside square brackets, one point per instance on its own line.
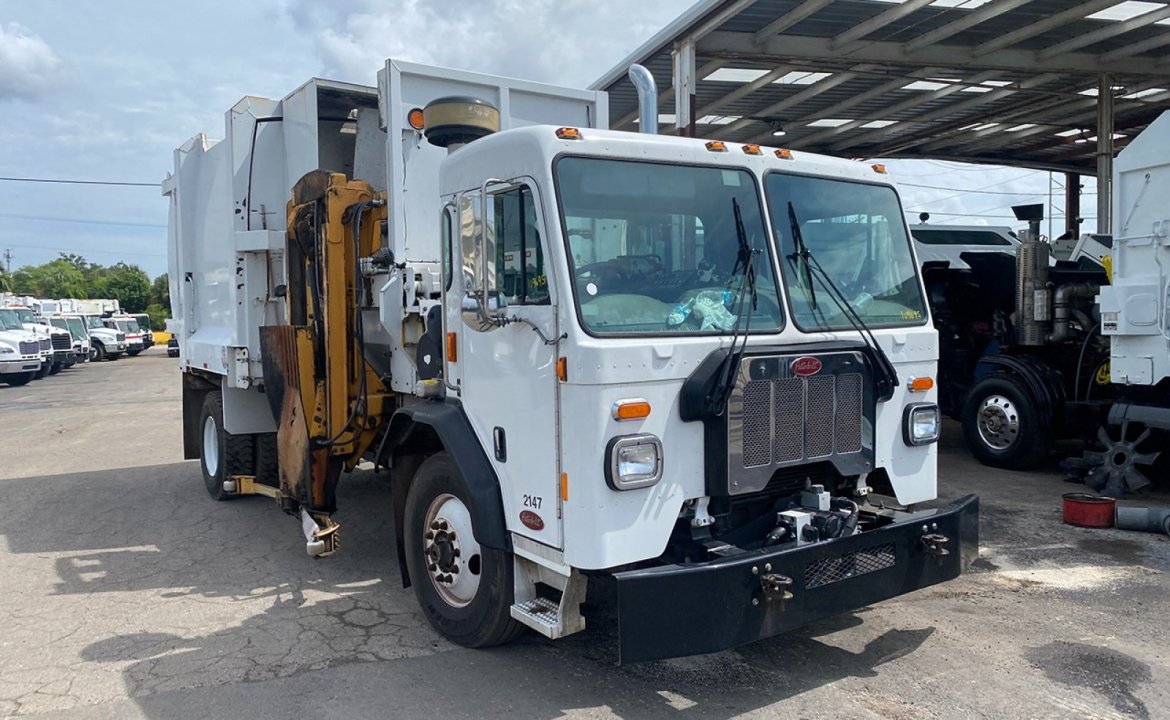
[125, 592]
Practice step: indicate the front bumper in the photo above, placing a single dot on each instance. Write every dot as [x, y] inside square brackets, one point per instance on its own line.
[25, 364]
[677, 610]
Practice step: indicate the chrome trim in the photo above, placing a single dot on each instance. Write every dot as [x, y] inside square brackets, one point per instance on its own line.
[613, 410]
[614, 480]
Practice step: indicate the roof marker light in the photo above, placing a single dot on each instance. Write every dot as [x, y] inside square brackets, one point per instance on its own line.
[568, 133]
[752, 149]
[880, 169]
[716, 146]
[784, 154]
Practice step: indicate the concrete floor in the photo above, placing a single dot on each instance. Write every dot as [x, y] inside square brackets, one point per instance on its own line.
[126, 593]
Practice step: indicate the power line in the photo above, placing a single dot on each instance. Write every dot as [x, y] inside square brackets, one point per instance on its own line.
[116, 183]
[980, 192]
[87, 251]
[82, 221]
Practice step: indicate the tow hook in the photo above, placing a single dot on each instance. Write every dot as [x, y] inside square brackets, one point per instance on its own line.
[775, 587]
[932, 544]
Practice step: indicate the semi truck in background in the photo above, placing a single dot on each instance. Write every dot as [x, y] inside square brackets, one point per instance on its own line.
[1044, 341]
[722, 350]
[21, 357]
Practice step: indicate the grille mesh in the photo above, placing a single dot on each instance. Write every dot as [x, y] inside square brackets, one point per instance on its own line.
[29, 347]
[827, 571]
[849, 395]
[757, 423]
[46, 344]
[790, 419]
[61, 342]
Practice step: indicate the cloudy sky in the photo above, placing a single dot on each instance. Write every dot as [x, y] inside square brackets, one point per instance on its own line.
[106, 90]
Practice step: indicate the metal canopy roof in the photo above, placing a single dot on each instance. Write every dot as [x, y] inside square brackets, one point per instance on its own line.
[1010, 82]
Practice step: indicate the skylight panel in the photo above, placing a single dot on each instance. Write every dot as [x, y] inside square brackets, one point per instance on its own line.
[1018, 128]
[879, 124]
[1144, 93]
[828, 122]
[736, 75]
[931, 84]
[1125, 11]
[718, 119]
[801, 78]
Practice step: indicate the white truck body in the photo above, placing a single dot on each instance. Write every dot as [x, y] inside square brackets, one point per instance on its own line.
[1135, 306]
[548, 380]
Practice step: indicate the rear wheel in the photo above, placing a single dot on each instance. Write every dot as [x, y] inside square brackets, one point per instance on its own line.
[18, 379]
[1002, 424]
[465, 590]
[267, 465]
[221, 453]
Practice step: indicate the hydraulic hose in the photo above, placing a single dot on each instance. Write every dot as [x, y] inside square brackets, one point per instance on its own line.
[1147, 519]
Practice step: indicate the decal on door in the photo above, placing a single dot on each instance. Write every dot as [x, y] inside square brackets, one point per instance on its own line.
[531, 520]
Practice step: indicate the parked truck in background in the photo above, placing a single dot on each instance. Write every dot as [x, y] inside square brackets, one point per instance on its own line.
[105, 343]
[20, 351]
[75, 324]
[127, 326]
[720, 348]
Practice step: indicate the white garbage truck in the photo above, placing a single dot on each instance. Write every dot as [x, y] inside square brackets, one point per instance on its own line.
[679, 363]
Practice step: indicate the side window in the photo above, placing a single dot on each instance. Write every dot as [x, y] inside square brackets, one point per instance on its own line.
[520, 271]
[447, 250]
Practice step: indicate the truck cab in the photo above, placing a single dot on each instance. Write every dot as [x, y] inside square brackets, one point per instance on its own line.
[20, 351]
[56, 346]
[126, 326]
[75, 324]
[105, 343]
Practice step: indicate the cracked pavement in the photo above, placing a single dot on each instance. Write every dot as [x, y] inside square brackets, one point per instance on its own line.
[125, 592]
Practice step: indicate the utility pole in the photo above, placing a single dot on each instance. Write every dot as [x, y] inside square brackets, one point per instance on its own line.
[8, 259]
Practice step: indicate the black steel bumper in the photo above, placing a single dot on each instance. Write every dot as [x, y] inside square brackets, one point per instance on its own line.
[677, 610]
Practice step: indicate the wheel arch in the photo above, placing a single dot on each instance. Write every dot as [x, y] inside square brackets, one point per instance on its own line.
[419, 430]
[1042, 382]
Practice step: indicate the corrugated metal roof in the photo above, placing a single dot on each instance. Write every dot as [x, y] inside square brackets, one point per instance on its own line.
[997, 82]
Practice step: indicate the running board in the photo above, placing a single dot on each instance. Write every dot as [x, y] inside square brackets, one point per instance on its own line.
[550, 617]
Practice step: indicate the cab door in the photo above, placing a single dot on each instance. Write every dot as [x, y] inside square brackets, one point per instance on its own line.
[506, 364]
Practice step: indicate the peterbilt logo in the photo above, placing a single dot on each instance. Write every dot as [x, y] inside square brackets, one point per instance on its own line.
[531, 520]
[806, 366]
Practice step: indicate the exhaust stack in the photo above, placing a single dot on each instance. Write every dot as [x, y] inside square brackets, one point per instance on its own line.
[647, 99]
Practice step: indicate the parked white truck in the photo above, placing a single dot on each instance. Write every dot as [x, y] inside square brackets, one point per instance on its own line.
[680, 363]
[20, 351]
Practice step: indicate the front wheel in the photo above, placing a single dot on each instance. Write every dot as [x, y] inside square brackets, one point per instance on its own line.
[97, 352]
[1002, 424]
[465, 590]
[56, 368]
[221, 454]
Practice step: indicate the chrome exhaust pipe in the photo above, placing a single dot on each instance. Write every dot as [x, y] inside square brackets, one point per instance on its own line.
[647, 99]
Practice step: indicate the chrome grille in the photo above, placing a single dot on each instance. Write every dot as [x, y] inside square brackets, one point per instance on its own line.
[29, 347]
[46, 344]
[757, 423]
[819, 417]
[61, 342]
[789, 419]
[827, 571]
[849, 394]
[121, 337]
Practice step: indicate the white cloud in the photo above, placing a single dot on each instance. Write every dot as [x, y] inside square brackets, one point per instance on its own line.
[569, 42]
[28, 66]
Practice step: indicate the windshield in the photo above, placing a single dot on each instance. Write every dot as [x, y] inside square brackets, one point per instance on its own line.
[93, 321]
[856, 233]
[26, 316]
[77, 327]
[654, 247]
[9, 320]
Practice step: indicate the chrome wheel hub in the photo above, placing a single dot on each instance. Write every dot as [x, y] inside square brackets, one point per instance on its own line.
[450, 551]
[210, 446]
[998, 422]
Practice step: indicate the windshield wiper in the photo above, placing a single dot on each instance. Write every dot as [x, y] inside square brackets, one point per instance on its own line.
[800, 252]
[884, 385]
[745, 259]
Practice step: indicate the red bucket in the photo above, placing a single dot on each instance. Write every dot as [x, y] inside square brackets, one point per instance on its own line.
[1088, 510]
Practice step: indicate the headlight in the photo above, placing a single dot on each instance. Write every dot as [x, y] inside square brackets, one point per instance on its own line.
[633, 461]
[922, 424]
[5, 350]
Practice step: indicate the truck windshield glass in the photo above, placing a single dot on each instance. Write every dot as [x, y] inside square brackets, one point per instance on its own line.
[9, 320]
[856, 233]
[653, 247]
[93, 321]
[26, 316]
[76, 327]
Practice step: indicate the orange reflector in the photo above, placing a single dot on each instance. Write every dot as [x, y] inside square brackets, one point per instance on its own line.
[716, 146]
[563, 369]
[752, 149]
[784, 154]
[564, 487]
[415, 118]
[452, 347]
[879, 169]
[630, 409]
[921, 384]
[568, 133]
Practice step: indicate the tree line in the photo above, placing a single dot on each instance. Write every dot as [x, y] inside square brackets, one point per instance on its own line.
[72, 276]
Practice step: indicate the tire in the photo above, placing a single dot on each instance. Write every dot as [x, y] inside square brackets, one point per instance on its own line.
[478, 616]
[113, 356]
[267, 464]
[221, 454]
[1002, 424]
[133, 353]
[43, 372]
[18, 379]
[97, 352]
[56, 368]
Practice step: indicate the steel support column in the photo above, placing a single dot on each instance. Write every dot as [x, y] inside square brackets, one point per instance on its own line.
[1072, 204]
[1104, 154]
[685, 81]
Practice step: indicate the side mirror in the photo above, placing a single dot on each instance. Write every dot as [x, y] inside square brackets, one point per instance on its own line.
[482, 305]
